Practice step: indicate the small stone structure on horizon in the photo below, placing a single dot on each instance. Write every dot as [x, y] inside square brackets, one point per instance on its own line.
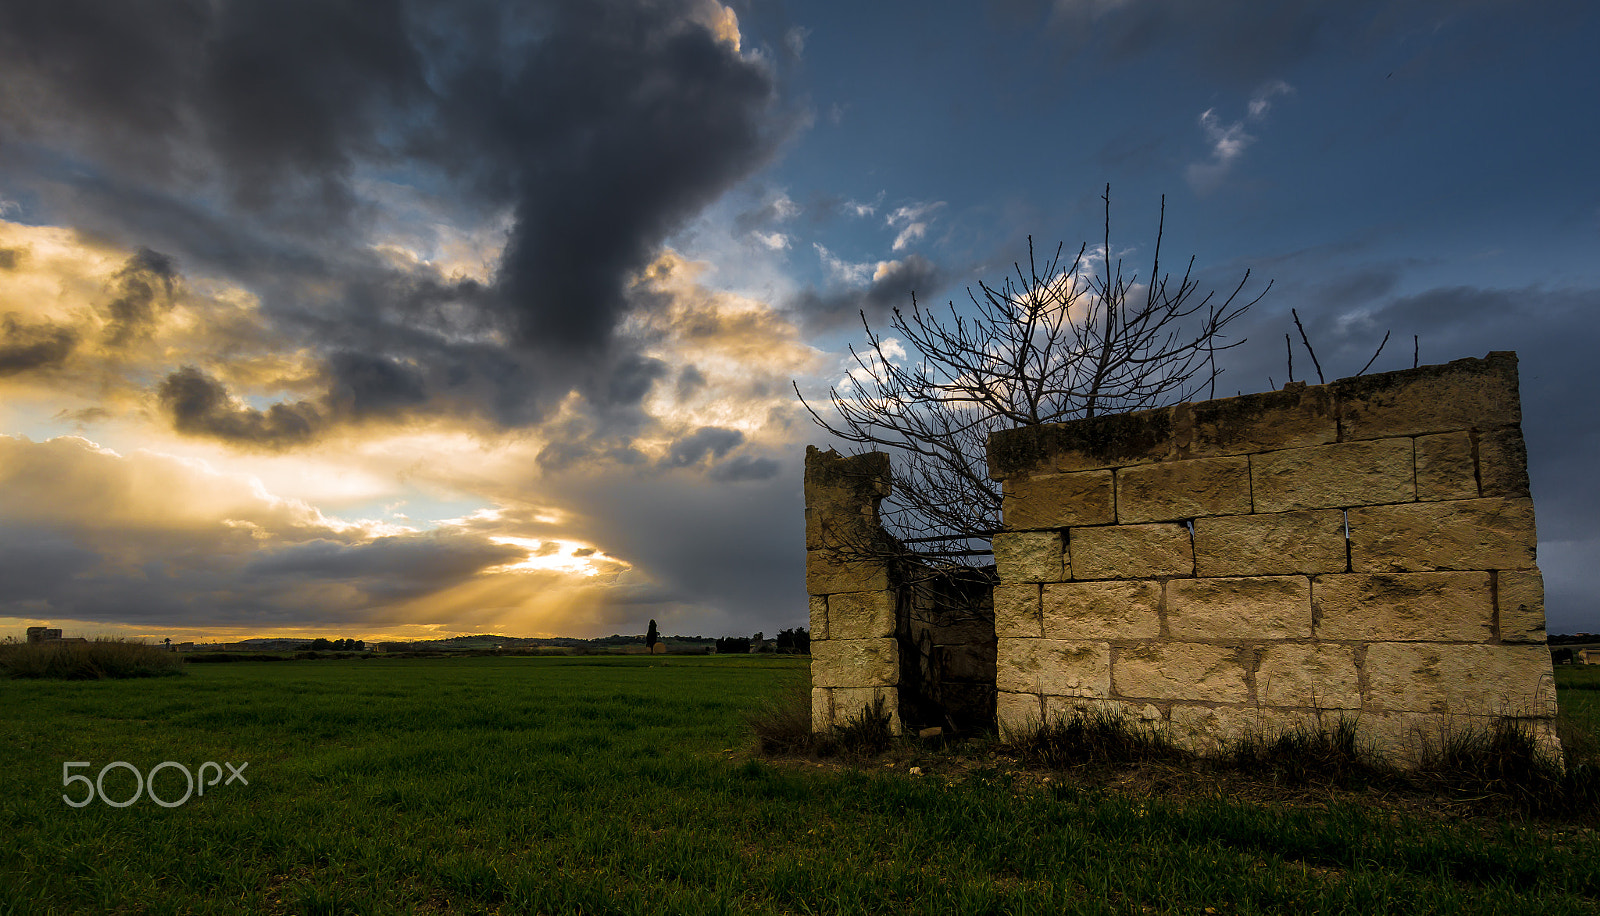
[1362, 549]
[43, 634]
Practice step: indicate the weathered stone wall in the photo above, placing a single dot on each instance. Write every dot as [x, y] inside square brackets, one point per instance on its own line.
[1362, 549]
[855, 658]
[882, 624]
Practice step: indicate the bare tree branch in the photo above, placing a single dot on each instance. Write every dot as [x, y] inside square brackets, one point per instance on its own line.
[1061, 339]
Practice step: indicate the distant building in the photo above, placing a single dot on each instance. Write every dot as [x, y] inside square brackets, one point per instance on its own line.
[43, 634]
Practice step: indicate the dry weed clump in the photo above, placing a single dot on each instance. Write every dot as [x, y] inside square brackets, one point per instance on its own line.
[85, 661]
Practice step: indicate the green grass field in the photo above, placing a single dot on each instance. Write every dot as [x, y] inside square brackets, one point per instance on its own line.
[625, 785]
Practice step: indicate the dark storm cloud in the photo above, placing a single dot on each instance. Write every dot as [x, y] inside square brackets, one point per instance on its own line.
[9, 258]
[404, 563]
[144, 285]
[707, 441]
[690, 380]
[743, 468]
[245, 137]
[24, 347]
[890, 289]
[201, 406]
[365, 385]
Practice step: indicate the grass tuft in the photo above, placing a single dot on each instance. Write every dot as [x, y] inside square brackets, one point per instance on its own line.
[782, 727]
[867, 733]
[1305, 755]
[782, 724]
[87, 661]
[1506, 763]
[1093, 737]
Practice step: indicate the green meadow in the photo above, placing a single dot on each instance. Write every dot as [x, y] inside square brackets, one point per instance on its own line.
[629, 785]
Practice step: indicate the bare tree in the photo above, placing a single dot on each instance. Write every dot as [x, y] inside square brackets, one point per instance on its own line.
[1056, 342]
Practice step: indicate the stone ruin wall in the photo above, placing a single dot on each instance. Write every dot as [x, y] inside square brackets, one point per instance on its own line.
[1360, 549]
[855, 659]
[882, 627]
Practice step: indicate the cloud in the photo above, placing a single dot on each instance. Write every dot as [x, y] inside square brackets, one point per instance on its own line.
[743, 468]
[1229, 141]
[260, 144]
[26, 347]
[888, 285]
[705, 442]
[912, 222]
[154, 542]
[794, 41]
[145, 284]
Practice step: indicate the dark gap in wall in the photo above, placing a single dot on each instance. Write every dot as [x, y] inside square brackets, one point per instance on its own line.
[1477, 469]
[1194, 561]
[1250, 479]
[1347, 564]
[1494, 603]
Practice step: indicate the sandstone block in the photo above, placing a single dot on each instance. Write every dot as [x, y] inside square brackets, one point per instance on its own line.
[1029, 556]
[842, 495]
[1406, 736]
[819, 617]
[1016, 611]
[1401, 737]
[1209, 729]
[855, 663]
[1136, 714]
[1280, 543]
[1053, 666]
[1316, 675]
[1183, 489]
[1253, 607]
[1108, 441]
[1503, 462]
[1459, 534]
[1131, 552]
[1294, 417]
[1519, 595]
[1460, 679]
[1326, 476]
[1058, 500]
[821, 710]
[1399, 607]
[851, 702]
[1017, 713]
[1445, 467]
[1102, 610]
[830, 572]
[861, 615]
[1181, 671]
[1465, 394]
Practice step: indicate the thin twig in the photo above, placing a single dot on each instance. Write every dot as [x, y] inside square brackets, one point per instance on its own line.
[1307, 341]
[1375, 355]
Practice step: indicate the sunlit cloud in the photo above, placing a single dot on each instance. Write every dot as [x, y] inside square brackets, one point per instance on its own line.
[912, 221]
[1228, 141]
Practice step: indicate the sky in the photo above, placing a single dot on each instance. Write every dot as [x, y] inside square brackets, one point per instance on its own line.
[415, 318]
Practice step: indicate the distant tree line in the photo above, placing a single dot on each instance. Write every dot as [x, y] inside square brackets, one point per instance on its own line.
[336, 645]
[796, 640]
